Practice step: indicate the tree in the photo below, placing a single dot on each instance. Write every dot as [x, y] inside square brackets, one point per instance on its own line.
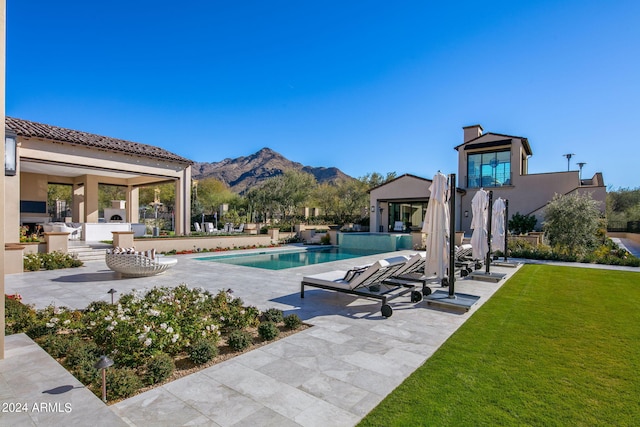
[282, 195]
[522, 224]
[59, 192]
[167, 195]
[352, 200]
[571, 223]
[212, 193]
[623, 205]
[325, 197]
[375, 179]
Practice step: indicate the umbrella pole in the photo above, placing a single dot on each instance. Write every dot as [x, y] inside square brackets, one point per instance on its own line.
[452, 234]
[490, 208]
[506, 228]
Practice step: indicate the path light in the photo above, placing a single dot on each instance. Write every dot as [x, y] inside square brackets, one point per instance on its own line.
[111, 291]
[103, 363]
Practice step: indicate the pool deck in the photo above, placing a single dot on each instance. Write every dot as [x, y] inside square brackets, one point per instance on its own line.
[333, 373]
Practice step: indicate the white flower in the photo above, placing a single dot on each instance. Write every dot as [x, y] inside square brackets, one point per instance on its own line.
[204, 334]
[141, 337]
[109, 328]
[163, 326]
[50, 325]
[175, 338]
[146, 328]
[92, 323]
[147, 342]
[108, 318]
[169, 330]
[66, 322]
[153, 312]
[114, 323]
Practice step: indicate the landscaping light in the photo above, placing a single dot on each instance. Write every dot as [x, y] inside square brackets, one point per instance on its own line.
[103, 363]
[111, 291]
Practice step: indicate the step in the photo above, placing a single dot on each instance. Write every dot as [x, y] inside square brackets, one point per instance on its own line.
[86, 253]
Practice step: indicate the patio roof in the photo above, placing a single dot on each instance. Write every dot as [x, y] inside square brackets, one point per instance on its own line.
[29, 129]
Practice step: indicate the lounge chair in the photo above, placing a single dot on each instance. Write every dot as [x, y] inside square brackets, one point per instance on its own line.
[367, 281]
[196, 226]
[130, 263]
[464, 260]
[209, 228]
[240, 229]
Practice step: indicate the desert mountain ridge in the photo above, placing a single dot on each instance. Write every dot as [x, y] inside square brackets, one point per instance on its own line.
[245, 172]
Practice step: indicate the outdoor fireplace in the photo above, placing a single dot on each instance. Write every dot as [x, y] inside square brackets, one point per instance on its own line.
[116, 213]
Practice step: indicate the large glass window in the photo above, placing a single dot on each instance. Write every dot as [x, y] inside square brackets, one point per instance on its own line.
[489, 169]
[405, 215]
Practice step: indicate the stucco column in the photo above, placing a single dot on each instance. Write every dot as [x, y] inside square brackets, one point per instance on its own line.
[182, 212]
[91, 198]
[133, 204]
[2, 178]
[78, 212]
[12, 205]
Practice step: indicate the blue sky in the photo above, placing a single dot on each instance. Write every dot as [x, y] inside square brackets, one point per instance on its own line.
[363, 86]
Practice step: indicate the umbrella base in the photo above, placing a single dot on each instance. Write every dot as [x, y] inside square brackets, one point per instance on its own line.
[510, 264]
[487, 277]
[457, 302]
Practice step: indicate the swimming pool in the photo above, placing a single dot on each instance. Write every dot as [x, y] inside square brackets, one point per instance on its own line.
[280, 260]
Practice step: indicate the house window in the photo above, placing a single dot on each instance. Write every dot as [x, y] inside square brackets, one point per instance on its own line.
[405, 215]
[489, 169]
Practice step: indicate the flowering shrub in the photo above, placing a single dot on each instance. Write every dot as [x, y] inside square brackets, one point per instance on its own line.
[162, 320]
[143, 333]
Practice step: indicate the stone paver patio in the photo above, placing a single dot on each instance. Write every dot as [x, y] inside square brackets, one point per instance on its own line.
[331, 374]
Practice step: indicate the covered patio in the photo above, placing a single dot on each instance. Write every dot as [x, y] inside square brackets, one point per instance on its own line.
[48, 154]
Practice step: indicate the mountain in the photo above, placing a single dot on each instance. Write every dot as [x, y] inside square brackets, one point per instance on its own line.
[246, 172]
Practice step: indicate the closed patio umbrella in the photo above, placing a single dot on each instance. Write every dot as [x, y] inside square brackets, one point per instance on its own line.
[436, 227]
[498, 225]
[479, 205]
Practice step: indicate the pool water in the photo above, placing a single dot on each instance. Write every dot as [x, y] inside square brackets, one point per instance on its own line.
[289, 259]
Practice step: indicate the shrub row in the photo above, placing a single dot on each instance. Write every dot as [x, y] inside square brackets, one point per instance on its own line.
[143, 333]
[52, 261]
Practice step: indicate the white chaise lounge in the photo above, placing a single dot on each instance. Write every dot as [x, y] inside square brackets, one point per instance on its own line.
[368, 281]
[130, 263]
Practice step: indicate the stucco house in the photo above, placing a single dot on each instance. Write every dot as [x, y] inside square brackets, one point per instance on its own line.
[492, 161]
[500, 163]
[46, 154]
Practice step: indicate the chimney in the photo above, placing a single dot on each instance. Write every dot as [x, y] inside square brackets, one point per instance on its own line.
[471, 132]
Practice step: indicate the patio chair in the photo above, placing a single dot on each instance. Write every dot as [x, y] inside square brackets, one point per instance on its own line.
[240, 229]
[74, 232]
[130, 263]
[196, 227]
[398, 226]
[366, 281]
[209, 228]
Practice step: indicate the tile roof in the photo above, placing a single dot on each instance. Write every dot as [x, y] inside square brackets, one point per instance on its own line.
[32, 129]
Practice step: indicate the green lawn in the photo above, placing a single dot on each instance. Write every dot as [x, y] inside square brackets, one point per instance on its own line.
[556, 346]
